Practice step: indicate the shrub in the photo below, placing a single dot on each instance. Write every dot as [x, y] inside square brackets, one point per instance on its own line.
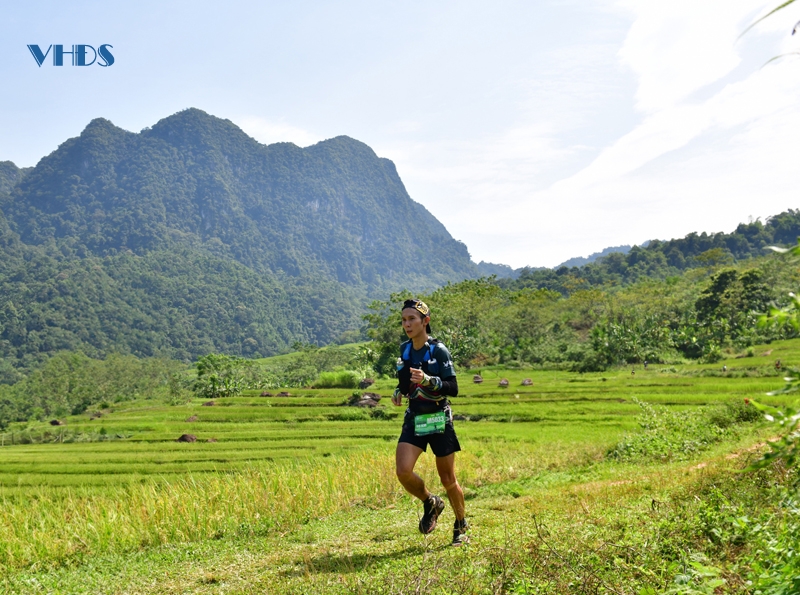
[734, 412]
[340, 379]
[668, 434]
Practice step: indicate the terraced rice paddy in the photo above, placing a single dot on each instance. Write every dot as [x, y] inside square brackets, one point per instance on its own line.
[560, 408]
[264, 465]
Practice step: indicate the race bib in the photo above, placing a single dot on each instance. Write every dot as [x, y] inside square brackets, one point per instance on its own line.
[429, 423]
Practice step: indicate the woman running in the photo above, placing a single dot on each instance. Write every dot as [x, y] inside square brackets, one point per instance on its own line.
[427, 377]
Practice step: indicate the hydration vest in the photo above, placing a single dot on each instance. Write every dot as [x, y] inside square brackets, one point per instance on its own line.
[431, 344]
[430, 366]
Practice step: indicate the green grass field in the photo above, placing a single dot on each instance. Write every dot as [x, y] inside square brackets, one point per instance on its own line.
[297, 493]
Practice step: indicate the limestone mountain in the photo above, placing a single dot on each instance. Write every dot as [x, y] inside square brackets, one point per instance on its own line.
[334, 208]
[191, 237]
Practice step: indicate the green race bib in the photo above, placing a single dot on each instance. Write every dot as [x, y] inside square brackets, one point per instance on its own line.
[429, 423]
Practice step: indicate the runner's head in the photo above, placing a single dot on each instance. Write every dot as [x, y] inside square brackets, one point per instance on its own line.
[416, 309]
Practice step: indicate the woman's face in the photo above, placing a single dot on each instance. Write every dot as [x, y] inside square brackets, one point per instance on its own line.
[414, 323]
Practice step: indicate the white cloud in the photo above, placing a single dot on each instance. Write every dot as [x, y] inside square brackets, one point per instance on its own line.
[657, 130]
[678, 47]
[761, 94]
[463, 180]
[689, 165]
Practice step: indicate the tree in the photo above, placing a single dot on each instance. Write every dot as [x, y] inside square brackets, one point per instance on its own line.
[219, 375]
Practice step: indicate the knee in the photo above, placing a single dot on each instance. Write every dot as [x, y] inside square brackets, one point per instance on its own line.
[448, 479]
[403, 474]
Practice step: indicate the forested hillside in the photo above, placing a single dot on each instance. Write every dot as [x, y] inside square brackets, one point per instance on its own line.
[191, 237]
[665, 259]
[10, 175]
[333, 209]
[702, 313]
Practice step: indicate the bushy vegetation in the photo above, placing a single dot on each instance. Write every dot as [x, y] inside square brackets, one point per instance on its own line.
[219, 375]
[338, 379]
[680, 434]
[697, 315]
[69, 383]
[307, 364]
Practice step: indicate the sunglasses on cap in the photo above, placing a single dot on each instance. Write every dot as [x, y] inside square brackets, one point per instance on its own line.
[418, 305]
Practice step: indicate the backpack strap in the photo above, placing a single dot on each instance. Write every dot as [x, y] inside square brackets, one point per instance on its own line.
[406, 354]
[430, 344]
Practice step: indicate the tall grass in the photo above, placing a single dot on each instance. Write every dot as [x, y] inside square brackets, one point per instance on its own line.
[49, 526]
[339, 379]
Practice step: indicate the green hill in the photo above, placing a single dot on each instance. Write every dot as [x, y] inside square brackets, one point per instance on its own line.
[334, 209]
[191, 237]
[665, 259]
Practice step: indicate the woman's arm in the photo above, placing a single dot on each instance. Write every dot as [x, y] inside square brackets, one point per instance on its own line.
[448, 383]
[449, 387]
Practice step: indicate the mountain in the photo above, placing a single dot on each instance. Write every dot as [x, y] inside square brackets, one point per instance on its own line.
[334, 209]
[501, 271]
[191, 237]
[580, 260]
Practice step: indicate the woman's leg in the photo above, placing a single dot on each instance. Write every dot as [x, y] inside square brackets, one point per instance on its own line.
[447, 474]
[406, 457]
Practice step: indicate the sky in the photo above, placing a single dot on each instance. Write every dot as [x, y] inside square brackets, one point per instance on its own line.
[535, 131]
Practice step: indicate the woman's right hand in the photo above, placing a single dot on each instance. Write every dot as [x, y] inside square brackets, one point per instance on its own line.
[417, 376]
[397, 398]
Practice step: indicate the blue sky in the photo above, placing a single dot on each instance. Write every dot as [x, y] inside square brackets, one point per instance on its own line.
[535, 131]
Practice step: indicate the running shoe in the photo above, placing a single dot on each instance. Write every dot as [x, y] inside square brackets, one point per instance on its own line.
[460, 536]
[432, 508]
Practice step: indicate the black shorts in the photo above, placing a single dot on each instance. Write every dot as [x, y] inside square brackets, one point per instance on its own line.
[441, 444]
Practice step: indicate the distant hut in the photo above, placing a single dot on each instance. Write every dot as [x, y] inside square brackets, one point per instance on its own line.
[503, 383]
[527, 382]
[477, 379]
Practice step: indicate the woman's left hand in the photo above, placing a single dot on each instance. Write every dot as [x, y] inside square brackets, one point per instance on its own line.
[417, 376]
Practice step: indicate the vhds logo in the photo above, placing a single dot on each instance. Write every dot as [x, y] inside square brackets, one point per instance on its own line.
[79, 55]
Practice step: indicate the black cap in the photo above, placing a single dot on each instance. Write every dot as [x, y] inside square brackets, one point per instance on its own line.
[420, 307]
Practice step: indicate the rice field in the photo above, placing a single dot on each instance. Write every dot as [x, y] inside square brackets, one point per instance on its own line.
[120, 481]
[137, 441]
